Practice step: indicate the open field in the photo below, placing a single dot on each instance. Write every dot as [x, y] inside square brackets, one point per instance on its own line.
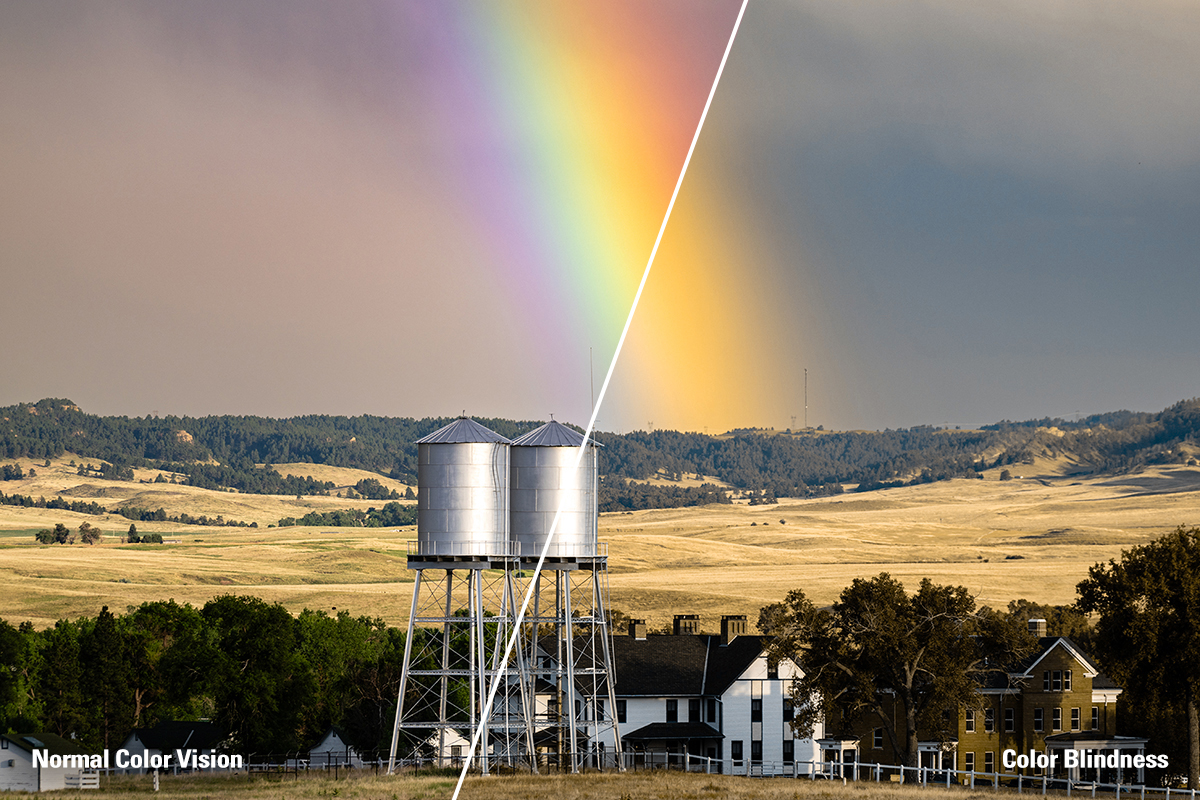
[1032, 537]
[642, 785]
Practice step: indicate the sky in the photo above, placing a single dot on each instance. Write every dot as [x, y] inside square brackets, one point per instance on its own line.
[946, 213]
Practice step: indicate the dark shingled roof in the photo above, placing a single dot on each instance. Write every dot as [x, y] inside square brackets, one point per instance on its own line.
[169, 736]
[657, 731]
[663, 665]
[52, 743]
[463, 430]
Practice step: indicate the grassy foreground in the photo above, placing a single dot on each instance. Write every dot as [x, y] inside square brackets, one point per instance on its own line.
[652, 785]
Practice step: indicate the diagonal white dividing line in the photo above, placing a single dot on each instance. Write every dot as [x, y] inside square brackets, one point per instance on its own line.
[487, 709]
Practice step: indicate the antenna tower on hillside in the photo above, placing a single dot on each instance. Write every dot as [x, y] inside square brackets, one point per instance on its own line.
[806, 397]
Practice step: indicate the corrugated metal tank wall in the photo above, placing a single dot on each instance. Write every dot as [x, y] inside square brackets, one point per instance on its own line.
[462, 494]
[543, 475]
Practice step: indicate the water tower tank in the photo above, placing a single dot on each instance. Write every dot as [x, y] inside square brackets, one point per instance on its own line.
[544, 475]
[462, 491]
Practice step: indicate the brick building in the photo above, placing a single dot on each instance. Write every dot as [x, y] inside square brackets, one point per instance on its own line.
[1056, 699]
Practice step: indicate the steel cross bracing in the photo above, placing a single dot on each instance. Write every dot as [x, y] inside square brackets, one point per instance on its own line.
[555, 703]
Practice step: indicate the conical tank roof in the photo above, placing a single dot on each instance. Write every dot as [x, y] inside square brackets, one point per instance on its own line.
[552, 434]
[462, 430]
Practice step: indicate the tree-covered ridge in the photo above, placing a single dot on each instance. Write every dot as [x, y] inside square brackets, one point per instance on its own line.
[225, 451]
[51, 427]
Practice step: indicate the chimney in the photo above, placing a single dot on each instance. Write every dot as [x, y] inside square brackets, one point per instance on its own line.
[1037, 627]
[637, 629]
[687, 624]
[732, 627]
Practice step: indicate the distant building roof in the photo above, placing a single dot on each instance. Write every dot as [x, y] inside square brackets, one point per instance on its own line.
[1023, 670]
[552, 434]
[463, 430]
[333, 731]
[663, 665]
[52, 743]
[171, 735]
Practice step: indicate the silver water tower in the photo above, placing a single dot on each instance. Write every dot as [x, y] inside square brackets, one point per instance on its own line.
[544, 479]
[462, 491]
[485, 507]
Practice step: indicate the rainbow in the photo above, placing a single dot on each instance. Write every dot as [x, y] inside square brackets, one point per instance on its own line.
[566, 125]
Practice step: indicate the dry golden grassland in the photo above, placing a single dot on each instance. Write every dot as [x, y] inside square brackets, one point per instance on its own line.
[1031, 537]
[654, 785]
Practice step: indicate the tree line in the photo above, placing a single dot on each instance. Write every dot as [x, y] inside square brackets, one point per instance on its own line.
[272, 681]
[392, 515]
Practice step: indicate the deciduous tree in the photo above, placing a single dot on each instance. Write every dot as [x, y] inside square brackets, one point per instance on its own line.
[1148, 634]
[906, 659]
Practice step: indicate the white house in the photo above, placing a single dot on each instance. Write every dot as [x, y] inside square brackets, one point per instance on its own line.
[334, 749]
[455, 746]
[19, 773]
[168, 737]
[713, 701]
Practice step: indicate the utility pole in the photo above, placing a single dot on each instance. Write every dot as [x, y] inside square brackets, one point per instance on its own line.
[806, 397]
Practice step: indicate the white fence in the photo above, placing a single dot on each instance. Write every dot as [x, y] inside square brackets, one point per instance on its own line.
[923, 776]
[86, 780]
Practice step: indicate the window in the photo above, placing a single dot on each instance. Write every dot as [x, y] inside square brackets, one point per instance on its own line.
[1095, 718]
[969, 725]
[712, 709]
[969, 762]
[989, 720]
[1046, 681]
[3, 744]
[877, 739]
[621, 711]
[672, 711]
[1010, 720]
[788, 713]
[735, 751]
[1074, 719]
[600, 708]
[756, 751]
[756, 710]
[1056, 681]
[694, 710]
[989, 761]
[789, 750]
[1066, 680]
[772, 671]
[1038, 720]
[456, 751]
[1056, 718]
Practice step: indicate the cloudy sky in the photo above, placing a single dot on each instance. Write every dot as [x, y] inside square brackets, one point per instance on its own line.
[948, 213]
